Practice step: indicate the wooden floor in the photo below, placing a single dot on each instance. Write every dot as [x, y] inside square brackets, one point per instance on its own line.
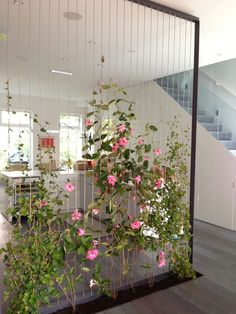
[214, 293]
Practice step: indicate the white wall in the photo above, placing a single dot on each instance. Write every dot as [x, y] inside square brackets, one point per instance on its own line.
[223, 72]
[215, 169]
[215, 194]
[215, 191]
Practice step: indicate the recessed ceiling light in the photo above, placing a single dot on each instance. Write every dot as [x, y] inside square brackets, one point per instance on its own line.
[20, 2]
[61, 72]
[74, 16]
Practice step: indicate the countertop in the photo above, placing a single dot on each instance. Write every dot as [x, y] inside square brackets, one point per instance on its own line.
[36, 173]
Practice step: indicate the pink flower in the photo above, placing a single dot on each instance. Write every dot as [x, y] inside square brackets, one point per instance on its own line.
[136, 225]
[157, 151]
[123, 142]
[121, 128]
[146, 158]
[111, 180]
[140, 141]
[92, 254]
[95, 243]
[115, 147]
[81, 232]
[88, 122]
[96, 211]
[161, 259]
[159, 183]
[43, 204]
[69, 187]
[76, 215]
[137, 179]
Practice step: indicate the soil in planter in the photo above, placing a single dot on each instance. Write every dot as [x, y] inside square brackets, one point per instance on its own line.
[103, 303]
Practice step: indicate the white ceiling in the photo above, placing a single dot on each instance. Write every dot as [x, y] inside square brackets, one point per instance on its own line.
[40, 38]
[217, 30]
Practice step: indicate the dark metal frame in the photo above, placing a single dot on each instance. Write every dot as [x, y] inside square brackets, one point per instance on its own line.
[195, 20]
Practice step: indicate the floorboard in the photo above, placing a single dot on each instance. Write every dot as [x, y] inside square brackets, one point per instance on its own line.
[215, 292]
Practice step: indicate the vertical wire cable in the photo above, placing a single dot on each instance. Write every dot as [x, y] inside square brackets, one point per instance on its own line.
[174, 43]
[109, 40]
[150, 89]
[143, 63]
[190, 62]
[49, 66]
[157, 75]
[123, 64]
[39, 60]
[70, 130]
[77, 116]
[58, 66]
[19, 70]
[137, 59]
[116, 70]
[179, 88]
[185, 74]
[191, 59]
[93, 71]
[77, 181]
[32, 144]
[8, 85]
[162, 73]
[85, 84]
[144, 87]
[130, 84]
[169, 102]
[150, 70]
[131, 48]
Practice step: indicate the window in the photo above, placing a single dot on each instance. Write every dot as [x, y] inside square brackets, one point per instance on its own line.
[15, 140]
[70, 139]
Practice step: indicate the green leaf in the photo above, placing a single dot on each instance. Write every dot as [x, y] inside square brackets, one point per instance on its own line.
[147, 148]
[92, 102]
[85, 269]
[106, 86]
[89, 114]
[126, 153]
[105, 107]
[153, 128]
[106, 146]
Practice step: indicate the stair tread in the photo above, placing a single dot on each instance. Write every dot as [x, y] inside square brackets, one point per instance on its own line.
[184, 98]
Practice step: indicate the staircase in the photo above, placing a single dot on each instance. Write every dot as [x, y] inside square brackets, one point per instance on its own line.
[180, 90]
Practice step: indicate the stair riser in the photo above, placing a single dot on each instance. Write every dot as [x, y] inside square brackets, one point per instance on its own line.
[212, 127]
[205, 119]
[229, 144]
[222, 136]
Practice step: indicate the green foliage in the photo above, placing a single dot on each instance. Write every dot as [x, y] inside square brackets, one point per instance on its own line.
[40, 258]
